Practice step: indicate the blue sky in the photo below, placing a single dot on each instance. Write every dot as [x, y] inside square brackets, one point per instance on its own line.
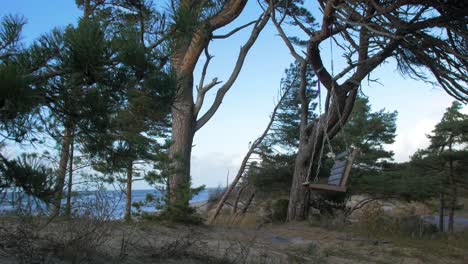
[221, 144]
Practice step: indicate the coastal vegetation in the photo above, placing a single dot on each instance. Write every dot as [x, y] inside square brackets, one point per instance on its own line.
[112, 99]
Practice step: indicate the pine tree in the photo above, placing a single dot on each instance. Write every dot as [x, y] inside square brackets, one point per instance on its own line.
[347, 28]
[367, 130]
[446, 158]
[84, 74]
[131, 137]
[18, 97]
[29, 174]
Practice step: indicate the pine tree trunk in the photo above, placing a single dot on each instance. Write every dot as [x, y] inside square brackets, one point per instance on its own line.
[183, 130]
[61, 172]
[298, 197]
[453, 195]
[441, 211]
[249, 202]
[70, 179]
[311, 137]
[451, 216]
[128, 193]
[236, 201]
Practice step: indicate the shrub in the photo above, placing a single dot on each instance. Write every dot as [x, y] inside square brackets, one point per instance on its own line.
[373, 221]
[279, 210]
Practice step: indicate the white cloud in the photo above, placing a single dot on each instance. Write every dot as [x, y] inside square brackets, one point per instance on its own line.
[212, 168]
[411, 139]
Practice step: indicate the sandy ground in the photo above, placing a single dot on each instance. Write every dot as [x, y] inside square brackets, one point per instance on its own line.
[240, 240]
[146, 242]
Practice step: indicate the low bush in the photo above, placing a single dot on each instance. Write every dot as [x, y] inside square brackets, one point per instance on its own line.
[373, 221]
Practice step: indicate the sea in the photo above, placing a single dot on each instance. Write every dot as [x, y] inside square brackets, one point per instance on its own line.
[108, 203]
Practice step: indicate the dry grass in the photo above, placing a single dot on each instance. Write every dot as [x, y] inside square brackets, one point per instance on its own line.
[242, 239]
[149, 242]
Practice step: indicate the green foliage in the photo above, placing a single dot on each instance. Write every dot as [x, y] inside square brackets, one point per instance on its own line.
[30, 175]
[286, 126]
[446, 158]
[17, 98]
[403, 181]
[188, 17]
[105, 79]
[86, 51]
[365, 129]
[180, 211]
[370, 132]
[273, 175]
[10, 32]
[427, 174]
[277, 151]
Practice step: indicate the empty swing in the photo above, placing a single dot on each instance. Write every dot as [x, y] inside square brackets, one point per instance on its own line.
[343, 164]
[339, 173]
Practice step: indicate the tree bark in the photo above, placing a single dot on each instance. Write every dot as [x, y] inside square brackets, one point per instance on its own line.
[298, 197]
[187, 50]
[311, 139]
[441, 211]
[453, 194]
[128, 193]
[61, 172]
[70, 179]
[183, 131]
[236, 201]
[249, 202]
[453, 204]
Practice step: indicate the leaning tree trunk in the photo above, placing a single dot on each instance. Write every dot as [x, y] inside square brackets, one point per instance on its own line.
[128, 193]
[183, 131]
[61, 172]
[238, 196]
[248, 203]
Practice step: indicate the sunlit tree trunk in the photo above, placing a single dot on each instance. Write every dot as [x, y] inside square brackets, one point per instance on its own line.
[62, 171]
[188, 45]
[183, 131]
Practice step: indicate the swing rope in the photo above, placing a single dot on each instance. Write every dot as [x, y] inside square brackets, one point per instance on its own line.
[325, 128]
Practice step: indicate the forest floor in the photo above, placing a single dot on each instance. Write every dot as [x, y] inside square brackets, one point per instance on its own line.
[243, 240]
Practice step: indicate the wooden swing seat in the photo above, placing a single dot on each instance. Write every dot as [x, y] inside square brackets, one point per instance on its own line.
[338, 174]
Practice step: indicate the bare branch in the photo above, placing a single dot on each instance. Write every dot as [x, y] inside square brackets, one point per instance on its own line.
[202, 93]
[252, 149]
[262, 21]
[284, 37]
[233, 31]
